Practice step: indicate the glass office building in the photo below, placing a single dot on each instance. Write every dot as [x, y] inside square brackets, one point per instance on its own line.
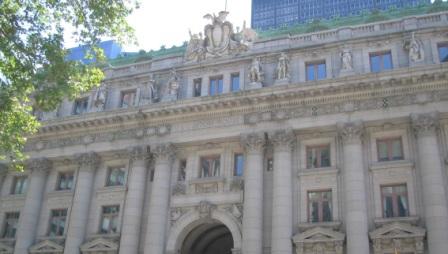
[276, 13]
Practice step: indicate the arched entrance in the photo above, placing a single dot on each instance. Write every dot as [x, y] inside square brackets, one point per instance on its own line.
[211, 237]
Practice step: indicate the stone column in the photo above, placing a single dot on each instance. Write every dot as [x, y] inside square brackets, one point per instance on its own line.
[29, 216]
[159, 200]
[432, 177]
[77, 224]
[253, 194]
[354, 188]
[133, 209]
[283, 142]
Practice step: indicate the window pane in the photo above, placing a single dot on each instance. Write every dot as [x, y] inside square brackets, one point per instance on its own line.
[314, 212]
[212, 87]
[397, 150]
[402, 206]
[387, 61]
[375, 63]
[382, 151]
[197, 87]
[310, 72]
[443, 53]
[235, 83]
[220, 85]
[325, 157]
[311, 157]
[321, 71]
[326, 213]
[388, 207]
[239, 164]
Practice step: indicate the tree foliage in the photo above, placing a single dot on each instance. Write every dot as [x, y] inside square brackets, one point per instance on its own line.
[34, 71]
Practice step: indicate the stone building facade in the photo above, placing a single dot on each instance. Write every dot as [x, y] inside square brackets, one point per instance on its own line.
[325, 143]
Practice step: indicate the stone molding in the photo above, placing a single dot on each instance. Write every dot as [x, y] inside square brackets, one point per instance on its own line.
[6, 249]
[138, 153]
[39, 166]
[253, 142]
[88, 161]
[425, 124]
[164, 153]
[100, 245]
[398, 236]
[47, 247]
[319, 240]
[351, 132]
[282, 139]
[205, 209]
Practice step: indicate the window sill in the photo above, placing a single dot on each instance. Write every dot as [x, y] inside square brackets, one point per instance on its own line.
[318, 171]
[212, 179]
[106, 236]
[60, 193]
[109, 189]
[57, 239]
[391, 164]
[382, 221]
[330, 224]
[13, 197]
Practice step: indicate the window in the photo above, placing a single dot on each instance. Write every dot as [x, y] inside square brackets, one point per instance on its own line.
[395, 201]
[316, 71]
[57, 222]
[238, 164]
[210, 166]
[235, 79]
[318, 156]
[182, 170]
[215, 86]
[197, 87]
[19, 185]
[11, 224]
[319, 206]
[80, 106]
[65, 181]
[116, 176]
[127, 98]
[389, 149]
[380, 61]
[270, 164]
[443, 52]
[109, 219]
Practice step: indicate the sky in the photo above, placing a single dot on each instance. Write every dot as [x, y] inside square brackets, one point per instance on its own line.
[166, 22]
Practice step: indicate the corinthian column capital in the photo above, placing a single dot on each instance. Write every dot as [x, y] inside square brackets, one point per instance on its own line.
[138, 153]
[253, 142]
[39, 166]
[88, 160]
[282, 139]
[424, 124]
[164, 152]
[351, 132]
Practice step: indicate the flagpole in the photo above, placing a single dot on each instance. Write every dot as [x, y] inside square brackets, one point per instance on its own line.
[225, 8]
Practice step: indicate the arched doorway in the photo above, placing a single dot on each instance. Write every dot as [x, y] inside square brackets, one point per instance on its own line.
[211, 237]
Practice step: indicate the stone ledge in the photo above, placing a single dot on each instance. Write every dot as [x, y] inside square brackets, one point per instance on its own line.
[330, 224]
[391, 164]
[13, 197]
[111, 189]
[413, 220]
[61, 193]
[318, 171]
[207, 180]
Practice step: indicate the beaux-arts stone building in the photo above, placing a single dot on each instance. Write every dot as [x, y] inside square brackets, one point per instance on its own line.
[326, 143]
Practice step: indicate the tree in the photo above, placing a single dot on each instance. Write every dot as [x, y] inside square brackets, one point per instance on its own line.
[34, 71]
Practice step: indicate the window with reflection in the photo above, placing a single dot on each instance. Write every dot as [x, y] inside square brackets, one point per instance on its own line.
[10, 225]
[318, 156]
[319, 206]
[395, 201]
[57, 222]
[316, 71]
[210, 166]
[238, 164]
[128, 98]
[109, 219]
[235, 79]
[390, 149]
[65, 181]
[116, 176]
[380, 61]
[443, 52]
[20, 185]
[80, 106]
[216, 85]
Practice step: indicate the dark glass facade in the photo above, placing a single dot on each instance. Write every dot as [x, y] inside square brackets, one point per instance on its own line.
[277, 13]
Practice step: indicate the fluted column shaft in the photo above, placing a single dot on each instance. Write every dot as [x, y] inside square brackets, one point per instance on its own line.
[81, 202]
[29, 216]
[253, 194]
[159, 200]
[432, 177]
[132, 217]
[282, 192]
[354, 189]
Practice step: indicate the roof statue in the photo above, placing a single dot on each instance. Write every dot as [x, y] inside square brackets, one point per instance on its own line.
[219, 39]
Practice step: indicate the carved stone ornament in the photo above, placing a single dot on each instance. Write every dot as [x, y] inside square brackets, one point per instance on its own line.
[99, 98]
[164, 152]
[175, 214]
[138, 152]
[319, 240]
[41, 165]
[256, 74]
[346, 60]
[46, 246]
[100, 245]
[205, 209]
[220, 39]
[89, 161]
[179, 189]
[398, 237]
[415, 48]
[6, 249]
[425, 124]
[351, 132]
[283, 68]
[282, 139]
[253, 142]
[173, 86]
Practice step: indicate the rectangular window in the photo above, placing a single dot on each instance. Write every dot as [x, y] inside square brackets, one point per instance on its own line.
[389, 149]
[316, 71]
[182, 170]
[197, 87]
[127, 98]
[65, 181]
[80, 106]
[238, 164]
[216, 85]
[235, 79]
[210, 166]
[109, 219]
[116, 176]
[10, 225]
[318, 156]
[319, 206]
[380, 61]
[443, 52]
[19, 185]
[57, 222]
[395, 201]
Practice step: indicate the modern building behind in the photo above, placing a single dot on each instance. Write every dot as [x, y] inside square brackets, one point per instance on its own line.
[111, 51]
[276, 13]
